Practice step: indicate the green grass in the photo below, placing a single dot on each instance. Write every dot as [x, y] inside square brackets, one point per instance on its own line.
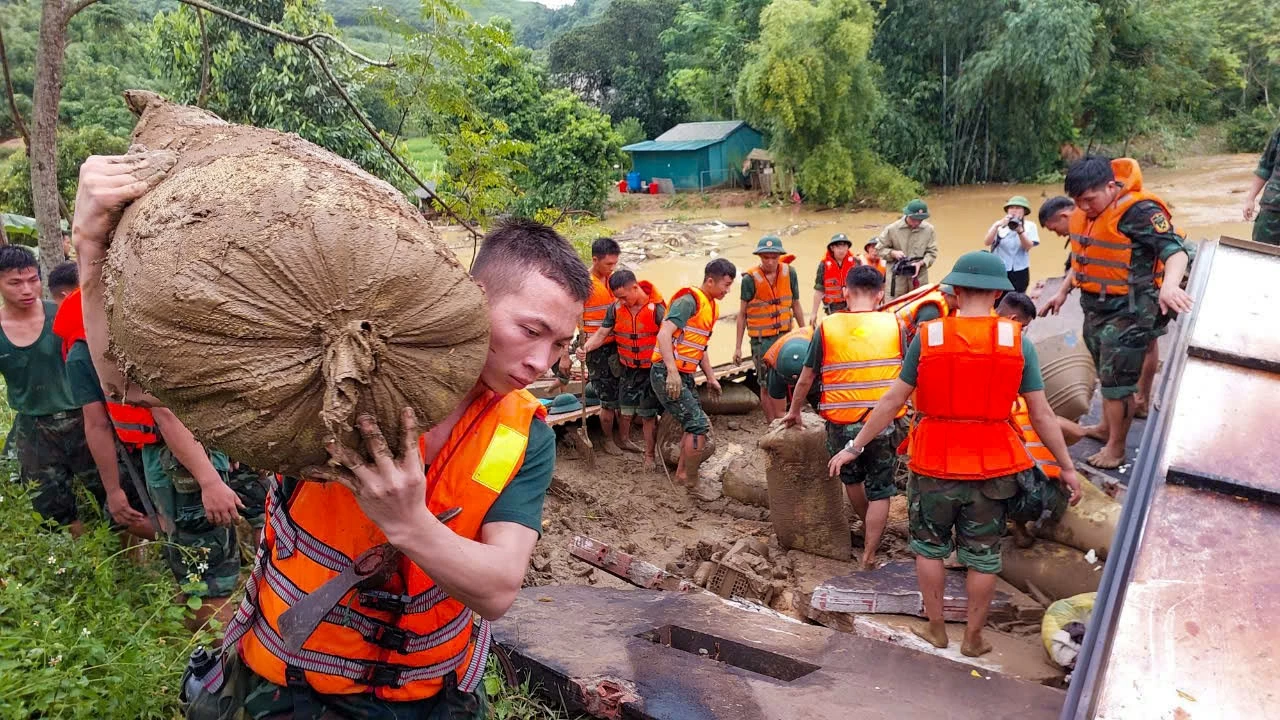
[425, 154]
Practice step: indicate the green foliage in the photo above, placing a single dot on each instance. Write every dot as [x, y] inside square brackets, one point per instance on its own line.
[630, 130]
[810, 85]
[1249, 132]
[84, 631]
[706, 44]
[74, 146]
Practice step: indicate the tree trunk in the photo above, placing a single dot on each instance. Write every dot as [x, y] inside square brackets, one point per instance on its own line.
[44, 132]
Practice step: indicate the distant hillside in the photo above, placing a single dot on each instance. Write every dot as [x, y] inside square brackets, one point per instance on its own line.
[535, 25]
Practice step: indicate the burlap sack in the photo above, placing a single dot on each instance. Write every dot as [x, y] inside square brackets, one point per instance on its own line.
[805, 505]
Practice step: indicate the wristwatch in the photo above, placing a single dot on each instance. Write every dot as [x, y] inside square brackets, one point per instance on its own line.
[852, 449]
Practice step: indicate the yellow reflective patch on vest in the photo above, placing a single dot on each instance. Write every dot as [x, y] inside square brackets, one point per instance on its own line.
[506, 448]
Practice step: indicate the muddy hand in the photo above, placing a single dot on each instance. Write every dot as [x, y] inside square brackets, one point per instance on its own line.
[221, 504]
[392, 493]
[108, 184]
[674, 386]
[1072, 482]
[838, 461]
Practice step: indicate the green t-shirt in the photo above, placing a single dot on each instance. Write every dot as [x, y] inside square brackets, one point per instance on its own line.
[749, 285]
[1031, 378]
[611, 315]
[82, 377]
[927, 313]
[818, 283]
[1152, 235]
[682, 308]
[520, 501]
[1269, 170]
[36, 375]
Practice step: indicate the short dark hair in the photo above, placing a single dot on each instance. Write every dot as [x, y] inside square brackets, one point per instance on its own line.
[620, 279]
[66, 276]
[17, 257]
[864, 278]
[719, 268]
[515, 246]
[1088, 173]
[1053, 206]
[1016, 303]
[604, 247]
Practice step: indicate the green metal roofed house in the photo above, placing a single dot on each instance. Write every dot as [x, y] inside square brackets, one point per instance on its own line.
[697, 155]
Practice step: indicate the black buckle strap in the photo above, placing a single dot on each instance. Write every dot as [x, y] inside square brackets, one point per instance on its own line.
[383, 675]
[389, 638]
[383, 600]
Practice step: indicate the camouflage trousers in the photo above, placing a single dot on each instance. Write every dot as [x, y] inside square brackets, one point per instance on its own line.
[874, 467]
[686, 409]
[53, 455]
[247, 696]
[1039, 498]
[967, 516]
[635, 394]
[605, 371]
[199, 552]
[1118, 341]
[1266, 227]
[759, 347]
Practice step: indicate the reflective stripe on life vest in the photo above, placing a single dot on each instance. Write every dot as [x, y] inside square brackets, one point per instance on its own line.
[596, 307]
[861, 357]
[769, 312]
[690, 342]
[1039, 452]
[833, 277]
[906, 308]
[969, 373]
[402, 653]
[637, 332]
[1101, 255]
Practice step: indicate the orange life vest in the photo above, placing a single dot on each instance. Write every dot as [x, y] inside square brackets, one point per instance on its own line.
[906, 308]
[690, 342]
[596, 306]
[1045, 459]
[637, 332]
[833, 276]
[874, 261]
[770, 358]
[398, 642]
[134, 425]
[769, 312]
[969, 373]
[861, 357]
[1101, 255]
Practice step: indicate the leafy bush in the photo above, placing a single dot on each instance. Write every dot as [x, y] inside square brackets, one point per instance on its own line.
[74, 146]
[1249, 132]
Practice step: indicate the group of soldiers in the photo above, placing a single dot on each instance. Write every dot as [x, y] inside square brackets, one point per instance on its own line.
[401, 553]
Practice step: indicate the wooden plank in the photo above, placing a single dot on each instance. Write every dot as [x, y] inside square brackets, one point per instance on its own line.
[626, 567]
[572, 416]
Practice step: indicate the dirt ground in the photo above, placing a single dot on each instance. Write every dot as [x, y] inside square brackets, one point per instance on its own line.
[645, 514]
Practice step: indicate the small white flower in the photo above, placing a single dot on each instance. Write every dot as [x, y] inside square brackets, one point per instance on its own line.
[59, 571]
[52, 560]
[85, 632]
[55, 660]
[202, 567]
[35, 623]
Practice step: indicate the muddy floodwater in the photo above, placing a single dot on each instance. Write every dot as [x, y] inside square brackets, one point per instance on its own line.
[1204, 195]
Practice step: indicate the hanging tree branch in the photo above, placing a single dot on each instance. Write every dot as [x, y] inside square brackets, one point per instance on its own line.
[203, 96]
[8, 91]
[308, 42]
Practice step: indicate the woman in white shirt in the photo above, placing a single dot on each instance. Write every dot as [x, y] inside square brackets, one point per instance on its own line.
[1011, 239]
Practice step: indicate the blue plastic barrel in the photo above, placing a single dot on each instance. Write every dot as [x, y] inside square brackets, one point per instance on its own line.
[633, 181]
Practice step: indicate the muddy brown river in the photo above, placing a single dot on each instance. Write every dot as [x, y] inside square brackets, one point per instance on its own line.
[1204, 196]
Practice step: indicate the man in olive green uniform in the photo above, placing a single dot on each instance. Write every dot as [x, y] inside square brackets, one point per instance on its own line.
[769, 249]
[1266, 223]
[910, 238]
[48, 428]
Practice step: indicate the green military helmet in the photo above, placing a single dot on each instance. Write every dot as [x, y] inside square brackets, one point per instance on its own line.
[791, 357]
[916, 209]
[978, 270]
[1018, 201]
[769, 245]
[563, 403]
[592, 397]
[839, 238]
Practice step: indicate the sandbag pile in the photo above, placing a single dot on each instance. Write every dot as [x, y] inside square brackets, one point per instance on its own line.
[805, 505]
[269, 291]
[734, 399]
[1089, 525]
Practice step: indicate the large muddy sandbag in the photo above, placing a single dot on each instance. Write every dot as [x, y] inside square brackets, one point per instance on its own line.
[1090, 525]
[1069, 374]
[1056, 570]
[269, 291]
[734, 399]
[744, 482]
[805, 505]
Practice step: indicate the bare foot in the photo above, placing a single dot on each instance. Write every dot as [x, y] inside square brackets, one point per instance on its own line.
[975, 648]
[1097, 432]
[649, 463]
[869, 563]
[611, 448]
[936, 636]
[630, 447]
[1104, 460]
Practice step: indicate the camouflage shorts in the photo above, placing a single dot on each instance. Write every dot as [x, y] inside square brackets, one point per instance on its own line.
[1039, 498]
[686, 409]
[760, 346]
[874, 467]
[605, 372]
[635, 394]
[963, 515]
[52, 453]
[1266, 227]
[1118, 341]
[204, 552]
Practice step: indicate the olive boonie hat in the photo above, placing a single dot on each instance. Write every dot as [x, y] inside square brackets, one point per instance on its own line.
[978, 270]
[563, 403]
[1018, 201]
[839, 238]
[791, 358]
[769, 245]
[916, 209]
[871, 243]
